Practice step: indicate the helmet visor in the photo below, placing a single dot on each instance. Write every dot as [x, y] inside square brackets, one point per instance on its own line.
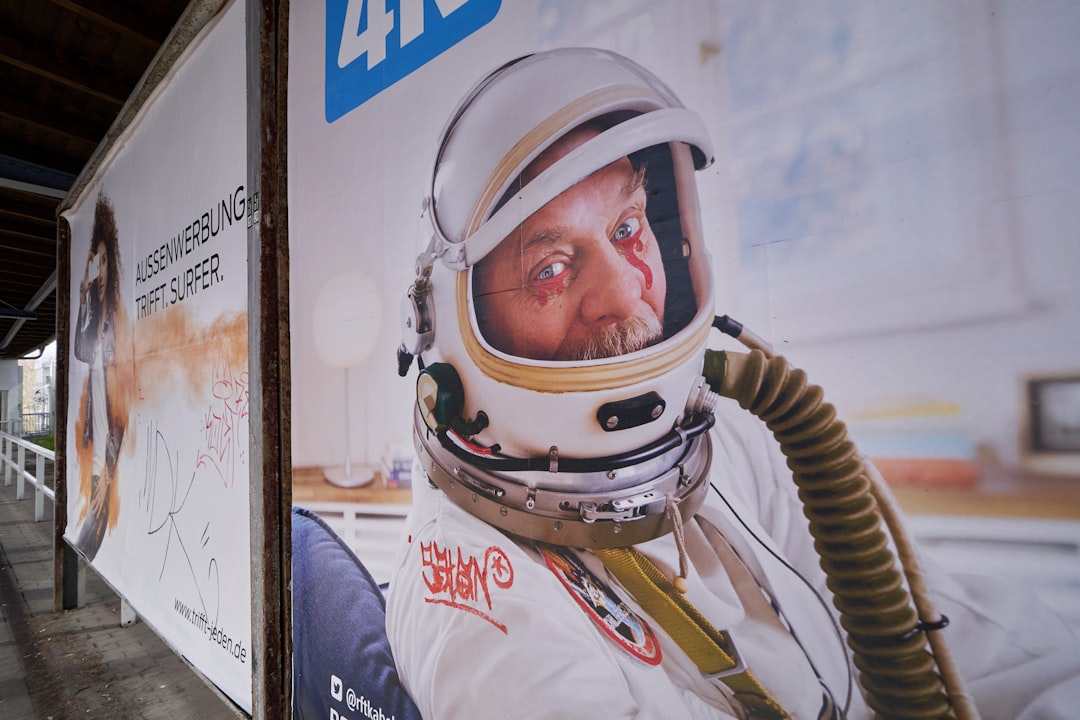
[598, 271]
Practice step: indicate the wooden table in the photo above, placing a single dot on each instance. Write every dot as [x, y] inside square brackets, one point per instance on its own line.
[310, 486]
[999, 493]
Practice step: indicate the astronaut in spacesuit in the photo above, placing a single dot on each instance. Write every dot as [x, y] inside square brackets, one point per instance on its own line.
[559, 318]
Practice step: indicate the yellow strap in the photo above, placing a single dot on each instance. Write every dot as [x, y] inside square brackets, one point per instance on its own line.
[711, 650]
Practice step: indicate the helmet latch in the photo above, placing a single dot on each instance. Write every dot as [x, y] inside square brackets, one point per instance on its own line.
[630, 413]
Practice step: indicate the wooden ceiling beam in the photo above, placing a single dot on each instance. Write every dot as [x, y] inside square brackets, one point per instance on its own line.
[13, 244]
[120, 19]
[50, 122]
[28, 204]
[77, 77]
[19, 264]
[19, 289]
[70, 164]
[46, 221]
[36, 228]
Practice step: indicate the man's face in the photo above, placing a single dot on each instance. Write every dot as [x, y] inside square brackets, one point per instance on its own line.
[581, 278]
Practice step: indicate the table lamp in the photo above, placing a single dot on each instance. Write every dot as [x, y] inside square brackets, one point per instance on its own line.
[346, 323]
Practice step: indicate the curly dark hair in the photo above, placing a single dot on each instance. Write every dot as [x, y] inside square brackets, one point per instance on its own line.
[104, 234]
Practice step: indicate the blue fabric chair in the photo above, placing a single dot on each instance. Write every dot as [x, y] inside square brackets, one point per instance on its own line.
[342, 665]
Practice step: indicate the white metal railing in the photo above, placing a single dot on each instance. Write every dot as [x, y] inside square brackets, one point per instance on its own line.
[17, 468]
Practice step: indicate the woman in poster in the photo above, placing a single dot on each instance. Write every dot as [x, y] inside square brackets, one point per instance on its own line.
[100, 316]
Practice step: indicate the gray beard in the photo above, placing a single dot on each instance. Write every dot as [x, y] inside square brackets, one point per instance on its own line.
[622, 338]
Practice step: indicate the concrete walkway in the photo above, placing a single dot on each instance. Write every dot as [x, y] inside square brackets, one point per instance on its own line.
[80, 663]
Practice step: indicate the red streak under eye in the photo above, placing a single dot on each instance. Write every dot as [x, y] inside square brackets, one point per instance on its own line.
[547, 289]
[630, 247]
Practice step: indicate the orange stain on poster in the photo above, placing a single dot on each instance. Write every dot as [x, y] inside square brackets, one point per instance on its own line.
[171, 360]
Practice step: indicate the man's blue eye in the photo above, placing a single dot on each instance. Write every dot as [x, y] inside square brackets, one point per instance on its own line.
[551, 271]
[627, 229]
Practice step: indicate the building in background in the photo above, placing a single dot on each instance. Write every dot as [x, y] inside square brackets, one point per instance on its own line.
[38, 392]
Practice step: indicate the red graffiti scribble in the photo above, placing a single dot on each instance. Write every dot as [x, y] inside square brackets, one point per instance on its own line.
[223, 419]
[501, 570]
[461, 582]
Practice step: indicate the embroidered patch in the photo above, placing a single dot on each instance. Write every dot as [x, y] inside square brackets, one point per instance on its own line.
[603, 606]
[461, 582]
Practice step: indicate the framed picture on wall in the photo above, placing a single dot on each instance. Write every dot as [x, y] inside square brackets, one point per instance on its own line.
[1052, 432]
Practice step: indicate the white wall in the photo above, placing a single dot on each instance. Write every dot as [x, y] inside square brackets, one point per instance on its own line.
[946, 268]
[9, 380]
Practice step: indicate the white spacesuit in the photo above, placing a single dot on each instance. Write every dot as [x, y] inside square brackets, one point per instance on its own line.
[562, 205]
[531, 649]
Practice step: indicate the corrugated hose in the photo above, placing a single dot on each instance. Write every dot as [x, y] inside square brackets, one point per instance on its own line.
[888, 628]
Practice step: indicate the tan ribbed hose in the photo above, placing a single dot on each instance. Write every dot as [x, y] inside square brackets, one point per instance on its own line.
[846, 503]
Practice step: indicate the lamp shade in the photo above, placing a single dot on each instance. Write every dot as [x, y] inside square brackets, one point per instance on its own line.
[346, 319]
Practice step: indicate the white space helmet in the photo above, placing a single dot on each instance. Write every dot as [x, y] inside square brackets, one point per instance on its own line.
[590, 453]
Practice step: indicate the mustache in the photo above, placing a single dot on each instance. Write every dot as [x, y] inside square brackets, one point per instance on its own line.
[622, 338]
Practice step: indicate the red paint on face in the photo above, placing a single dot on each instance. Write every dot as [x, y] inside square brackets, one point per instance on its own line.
[632, 250]
[548, 289]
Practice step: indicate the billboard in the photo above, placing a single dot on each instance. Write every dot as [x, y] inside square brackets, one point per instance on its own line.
[827, 153]
[843, 217]
[157, 420]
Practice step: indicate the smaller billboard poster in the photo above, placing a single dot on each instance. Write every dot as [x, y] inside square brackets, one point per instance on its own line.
[157, 429]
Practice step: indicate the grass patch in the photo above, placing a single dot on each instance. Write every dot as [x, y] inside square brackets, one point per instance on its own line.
[48, 442]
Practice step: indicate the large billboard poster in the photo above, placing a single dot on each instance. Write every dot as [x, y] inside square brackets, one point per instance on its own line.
[854, 200]
[158, 420]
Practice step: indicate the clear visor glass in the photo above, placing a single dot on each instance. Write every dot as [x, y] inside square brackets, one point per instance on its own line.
[600, 271]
